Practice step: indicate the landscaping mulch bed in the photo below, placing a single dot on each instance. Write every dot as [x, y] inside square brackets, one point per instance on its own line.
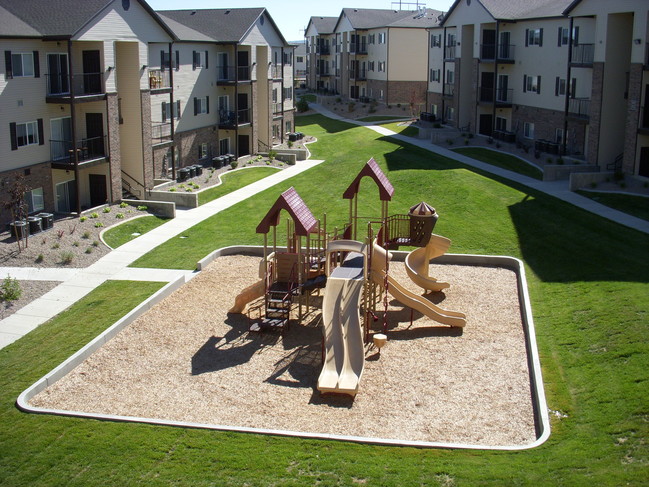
[187, 359]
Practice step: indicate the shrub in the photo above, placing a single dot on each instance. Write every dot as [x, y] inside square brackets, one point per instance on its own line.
[234, 164]
[85, 235]
[172, 190]
[339, 100]
[437, 125]
[99, 224]
[466, 141]
[10, 289]
[95, 243]
[290, 144]
[498, 145]
[549, 160]
[449, 141]
[123, 205]
[89, 250]
[83, 218]
[302, 105]
[94, 214]
[40, 258]
[67, 258]
[142, 208]
[119, 215]
[593, 185]
[490, 140]
[75, 244]
[107, 209]
[272, 155]
[351, 106]
[56, 246]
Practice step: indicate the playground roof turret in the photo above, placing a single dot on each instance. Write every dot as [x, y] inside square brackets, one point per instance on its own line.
[290, 201]
[371, 169]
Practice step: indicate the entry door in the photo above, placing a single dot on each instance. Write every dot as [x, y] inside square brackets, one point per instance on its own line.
[94, 141]
[61, 142]
[643, 170]
[645, 114]
[487, 87]
[66, 196]
[92, 72]
[504, 48]
[244, 145]
[486, 124]
[503, 88]
[242, 107]
[58, 81]
[243, 63]
[488, 44]
[98, 187]
[222, 66]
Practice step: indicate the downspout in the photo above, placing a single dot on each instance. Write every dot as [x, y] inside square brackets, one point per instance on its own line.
[428, 50]
[387, 66]
[568, 91]
[236, 100]
[443, 117]
[495, 89]
[281, 131]
[73, 122]
[173, 126]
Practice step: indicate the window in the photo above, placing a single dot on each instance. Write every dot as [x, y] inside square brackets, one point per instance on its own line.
[288, 93]
[532, 83]
[22, 64]
[559, 87]
[199, 59]
[450, 113]
[300, 59]
[564, 36]
[381, 66]
[558, 136]
[34, 200]
[533, 37]
[275, 131]
[164, 60]
[288, 57]
[380, 94]
[450, 77]
[201, 105]
[435, 74]
[274, 95]
[371, 39]
[288, 127]
[528, 130]
[370, 66]
[433, 109]
[224, 146]
[436, 40]
[203, 151]
[26, 133]
[382, 38]
[501, 124]
[450, 40]
[167, 111]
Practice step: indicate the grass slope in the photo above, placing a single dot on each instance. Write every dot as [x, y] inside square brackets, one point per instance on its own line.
[588, 281]
[637, 206]
[499, 159]
[119, 235]
[233, 181]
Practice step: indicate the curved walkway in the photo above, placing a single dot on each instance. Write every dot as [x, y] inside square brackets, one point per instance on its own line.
[558, 189]
[77, 283]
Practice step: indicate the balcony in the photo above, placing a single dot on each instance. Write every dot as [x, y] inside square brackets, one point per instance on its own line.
[583, 55]
[358, 48]
[89, 150]
[487, 52]
[449, 53]
[323, 50]
[276, 71]
[160, 133]
[277, 109]
[504, 97]
[232, 74]
[449, 89]
[87, 87]
[323, 72]
[646, 57]
[229, 119]
[159, 81]
[579, 108]
[358, 74]
[506, 53]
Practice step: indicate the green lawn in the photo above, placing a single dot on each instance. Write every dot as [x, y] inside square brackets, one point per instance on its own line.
[637, 206]
[505, 161]
[233, 181]
[408, 130]
[588, 281]
[380, 118]
[119, 235]
[311, 98]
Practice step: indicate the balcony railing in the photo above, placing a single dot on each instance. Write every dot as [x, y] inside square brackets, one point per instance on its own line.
[62, 151]
[358, 74]
[579, 107]
[486, 94]
[506, 52]
[504, 96]
[231, 74]
[323, 50]
[583, 54]
[487, 52]
[358, 48]
[449, 89]
[160, 132]
[276, 71]
[277, 108]
[323, 72]
[449, 52]
[230, 118]
[83, 83]
[159, 79]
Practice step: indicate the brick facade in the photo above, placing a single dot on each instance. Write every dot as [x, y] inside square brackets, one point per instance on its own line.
[435, 99]
[147, 151]
[374, 86]
[632, 118]
[187, 144]
[40, 176]
[115, 191]
[405, 92]
[595, 113]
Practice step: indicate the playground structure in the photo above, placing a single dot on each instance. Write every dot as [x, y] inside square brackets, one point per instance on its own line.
[354, 274]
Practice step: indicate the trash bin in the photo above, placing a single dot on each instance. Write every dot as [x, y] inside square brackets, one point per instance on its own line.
[34, 223]
[231, 158]
[192, 171]
[19, 229]
[292, 137]
[217, 162]
[183, 174]
[199, 169]
[47, 220]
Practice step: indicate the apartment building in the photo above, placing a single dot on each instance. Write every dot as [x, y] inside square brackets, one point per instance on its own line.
[299, 66]
[73, 88]
[320, 42]
[101, 96]
[564, 76]
[232, 88]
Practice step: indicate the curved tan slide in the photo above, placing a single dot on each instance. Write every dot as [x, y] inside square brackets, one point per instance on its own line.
[401, 294]
[344, 351]
[417, 263]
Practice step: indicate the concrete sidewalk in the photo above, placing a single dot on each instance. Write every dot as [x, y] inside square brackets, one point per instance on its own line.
[77, 283]
[558, 189]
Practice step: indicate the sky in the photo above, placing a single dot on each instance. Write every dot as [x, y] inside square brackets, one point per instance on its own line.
[290, 19]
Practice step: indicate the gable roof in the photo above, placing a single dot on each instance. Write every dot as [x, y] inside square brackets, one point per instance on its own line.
[371, 169]
[290, 201]
[519, 9]
[225, 25]
[324, 25]
[372, 18]
[57, 18]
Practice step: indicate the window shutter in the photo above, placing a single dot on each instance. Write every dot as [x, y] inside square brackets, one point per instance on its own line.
[164, 113]
[573, 87]
[527, 37]
[439, 75]
[37, 65]
[41, 135]
[538, 85]
[575, 39]
[206, 65]
[559, 38]
[195, 106]
[556, 86]
[12, 133]
[193, 59]
[541, 37]
[177, 115]
[524, 83]
[207, 104]
[177, 61]
[9, 73]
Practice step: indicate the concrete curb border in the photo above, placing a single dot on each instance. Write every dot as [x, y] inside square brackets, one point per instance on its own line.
[541, 415]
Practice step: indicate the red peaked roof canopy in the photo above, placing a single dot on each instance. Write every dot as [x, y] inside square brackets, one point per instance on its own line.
[290, 201]
[371, 169]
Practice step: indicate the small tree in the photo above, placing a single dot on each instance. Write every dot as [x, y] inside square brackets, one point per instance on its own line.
[15, 203]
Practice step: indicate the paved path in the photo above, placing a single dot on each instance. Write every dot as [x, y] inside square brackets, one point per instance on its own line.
[558, 189]
[76, 283]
